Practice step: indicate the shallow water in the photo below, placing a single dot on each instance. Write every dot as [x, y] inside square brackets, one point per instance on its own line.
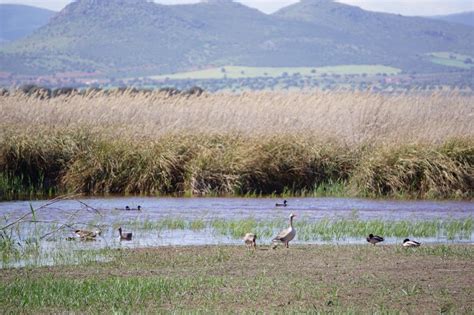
[107, 213]
[258, 208]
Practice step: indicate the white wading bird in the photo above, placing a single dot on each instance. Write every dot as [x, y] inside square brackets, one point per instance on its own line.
[286, 235]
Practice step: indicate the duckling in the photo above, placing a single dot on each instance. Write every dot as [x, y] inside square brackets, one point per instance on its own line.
[284, 204]
[124, 236]
[250, 240]
[374, 239]
[87, 235]
[408, 243]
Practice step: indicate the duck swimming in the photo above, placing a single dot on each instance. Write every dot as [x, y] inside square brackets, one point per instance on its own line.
[284, 204]
[124, 236]
[87, 235]
[127, 208]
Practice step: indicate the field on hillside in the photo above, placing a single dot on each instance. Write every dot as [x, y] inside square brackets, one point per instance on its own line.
[236, 72]
[340, 279]
[348, 143]
[452, 60]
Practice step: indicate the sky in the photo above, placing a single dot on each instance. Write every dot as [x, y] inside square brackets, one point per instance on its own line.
[404, 7]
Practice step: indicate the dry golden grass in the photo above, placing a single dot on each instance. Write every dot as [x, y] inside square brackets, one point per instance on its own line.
[414, 145]
[351, 118]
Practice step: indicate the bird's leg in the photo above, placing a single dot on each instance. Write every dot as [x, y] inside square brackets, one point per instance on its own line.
[286, 244]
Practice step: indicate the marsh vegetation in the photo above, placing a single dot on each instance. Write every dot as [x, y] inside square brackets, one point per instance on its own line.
[145, 142]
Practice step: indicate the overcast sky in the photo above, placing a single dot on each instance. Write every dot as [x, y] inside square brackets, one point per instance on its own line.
[405, 7]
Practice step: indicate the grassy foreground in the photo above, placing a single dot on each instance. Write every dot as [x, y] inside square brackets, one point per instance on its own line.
[355, 279]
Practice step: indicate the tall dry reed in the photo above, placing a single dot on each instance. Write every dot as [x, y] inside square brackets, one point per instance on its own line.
[416, 145]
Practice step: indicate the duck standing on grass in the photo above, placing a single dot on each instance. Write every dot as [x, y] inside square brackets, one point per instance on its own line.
[250, 240]
[124, 236]
[286, 235]
[374, 239]
[408, 243]
[284, 204]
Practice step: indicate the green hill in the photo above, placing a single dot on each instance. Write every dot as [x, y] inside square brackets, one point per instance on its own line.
[126, 38]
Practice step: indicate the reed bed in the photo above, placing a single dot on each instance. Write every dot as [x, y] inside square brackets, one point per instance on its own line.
[350, 143]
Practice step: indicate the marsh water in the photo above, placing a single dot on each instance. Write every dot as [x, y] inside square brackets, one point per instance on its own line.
[109, 213]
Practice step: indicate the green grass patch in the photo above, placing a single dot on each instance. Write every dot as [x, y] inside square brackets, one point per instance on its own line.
[224, 279]
[328, 229]
[109, 294]
[452, 59]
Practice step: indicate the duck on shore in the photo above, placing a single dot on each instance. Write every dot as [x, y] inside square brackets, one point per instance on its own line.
[250, 240]
[408, 243]
[374, 239]
[286, 235]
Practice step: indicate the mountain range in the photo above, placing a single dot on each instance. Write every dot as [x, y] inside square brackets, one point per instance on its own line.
[124, 38]
[466, 18]
[17, 21]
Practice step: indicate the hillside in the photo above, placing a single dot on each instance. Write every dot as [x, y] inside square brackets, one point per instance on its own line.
[388, 38]
[466, 18]
[17, 21]
[122, 38]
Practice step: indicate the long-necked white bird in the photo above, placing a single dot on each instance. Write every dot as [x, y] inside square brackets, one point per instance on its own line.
[408, 243]
[286, 235]
[250, 240]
